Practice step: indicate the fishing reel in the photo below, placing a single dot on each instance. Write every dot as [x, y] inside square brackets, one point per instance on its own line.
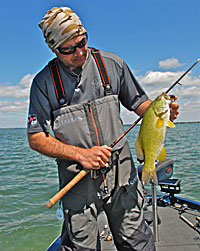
[173, 97]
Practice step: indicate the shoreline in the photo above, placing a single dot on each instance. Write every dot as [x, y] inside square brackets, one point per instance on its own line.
[189, 122]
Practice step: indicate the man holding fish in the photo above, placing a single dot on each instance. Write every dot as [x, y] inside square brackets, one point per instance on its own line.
[78, 95]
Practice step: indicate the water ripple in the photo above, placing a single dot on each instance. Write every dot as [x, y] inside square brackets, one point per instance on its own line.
[29, 179]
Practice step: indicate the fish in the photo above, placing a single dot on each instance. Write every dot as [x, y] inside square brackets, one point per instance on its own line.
[149, 145]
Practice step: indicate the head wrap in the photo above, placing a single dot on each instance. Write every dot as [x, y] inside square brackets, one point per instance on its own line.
[59, 25]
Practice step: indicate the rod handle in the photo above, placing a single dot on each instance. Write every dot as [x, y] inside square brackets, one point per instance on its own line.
[66, 188]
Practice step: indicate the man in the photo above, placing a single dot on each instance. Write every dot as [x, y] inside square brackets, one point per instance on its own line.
[84, 115]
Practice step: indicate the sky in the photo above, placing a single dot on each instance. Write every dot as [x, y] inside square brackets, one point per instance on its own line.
[158, 39]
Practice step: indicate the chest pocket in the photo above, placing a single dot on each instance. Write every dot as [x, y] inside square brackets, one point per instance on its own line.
[86, 125]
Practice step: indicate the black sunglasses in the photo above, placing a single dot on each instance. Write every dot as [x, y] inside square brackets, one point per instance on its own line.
[72, 49]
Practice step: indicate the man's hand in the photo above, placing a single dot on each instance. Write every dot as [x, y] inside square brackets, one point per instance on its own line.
[174, 106]
[94, 157]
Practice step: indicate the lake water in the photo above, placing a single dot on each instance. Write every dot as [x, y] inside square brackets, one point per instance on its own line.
[28, 180]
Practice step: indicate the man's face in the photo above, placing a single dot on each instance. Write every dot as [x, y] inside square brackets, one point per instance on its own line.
[75, 59]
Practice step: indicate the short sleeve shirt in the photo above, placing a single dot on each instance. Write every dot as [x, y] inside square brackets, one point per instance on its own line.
[81, 88]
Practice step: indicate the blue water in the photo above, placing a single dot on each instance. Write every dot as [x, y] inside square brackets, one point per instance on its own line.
[28, 180]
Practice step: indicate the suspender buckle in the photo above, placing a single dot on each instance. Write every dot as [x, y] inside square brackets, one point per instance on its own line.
[102, 70]
[61, 101]
[108, 90]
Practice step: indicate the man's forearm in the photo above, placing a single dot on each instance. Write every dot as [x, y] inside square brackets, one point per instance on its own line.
[91, 158]
[142, 107]
[50, 146]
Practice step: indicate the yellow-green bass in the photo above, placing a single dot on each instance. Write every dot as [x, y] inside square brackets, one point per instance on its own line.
[150, 142]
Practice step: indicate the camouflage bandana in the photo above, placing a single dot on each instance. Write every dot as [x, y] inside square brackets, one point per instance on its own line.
[59, 25]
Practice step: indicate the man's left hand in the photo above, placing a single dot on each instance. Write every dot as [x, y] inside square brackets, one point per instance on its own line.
[174, 110]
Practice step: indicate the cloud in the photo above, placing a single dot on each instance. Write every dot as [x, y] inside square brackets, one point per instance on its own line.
[14, 98]
[193, 105]
[155, 82]
[13, 91]
[17, 91]
[13, 106]
[158, 77]
[27, 80]
[169, 63]
[189, 92]
[14, 102]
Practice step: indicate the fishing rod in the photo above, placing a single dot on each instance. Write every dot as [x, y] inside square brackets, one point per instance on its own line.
[168, 90]
[84, 172]
[182, 76]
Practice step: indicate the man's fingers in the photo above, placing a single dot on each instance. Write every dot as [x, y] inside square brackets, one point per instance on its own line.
[174, 106]
[106, 150]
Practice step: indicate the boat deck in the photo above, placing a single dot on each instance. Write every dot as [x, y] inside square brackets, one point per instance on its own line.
[174, 233]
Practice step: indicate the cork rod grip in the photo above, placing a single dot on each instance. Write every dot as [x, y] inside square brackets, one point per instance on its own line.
[66, 188]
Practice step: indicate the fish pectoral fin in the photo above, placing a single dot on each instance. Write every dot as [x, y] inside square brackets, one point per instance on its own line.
[160, 123]
[149, 175]
[170, 124]
[138, 150]
[162, 154]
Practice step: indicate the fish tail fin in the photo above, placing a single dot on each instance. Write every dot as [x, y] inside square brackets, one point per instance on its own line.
[149, 175]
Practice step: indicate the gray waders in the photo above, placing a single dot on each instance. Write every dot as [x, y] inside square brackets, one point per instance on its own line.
[98, 122]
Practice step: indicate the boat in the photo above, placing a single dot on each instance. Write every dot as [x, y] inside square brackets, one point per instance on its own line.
[175, 220]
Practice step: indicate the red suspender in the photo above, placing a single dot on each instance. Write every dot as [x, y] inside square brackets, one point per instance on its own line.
[102, 70]
[58, 86]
